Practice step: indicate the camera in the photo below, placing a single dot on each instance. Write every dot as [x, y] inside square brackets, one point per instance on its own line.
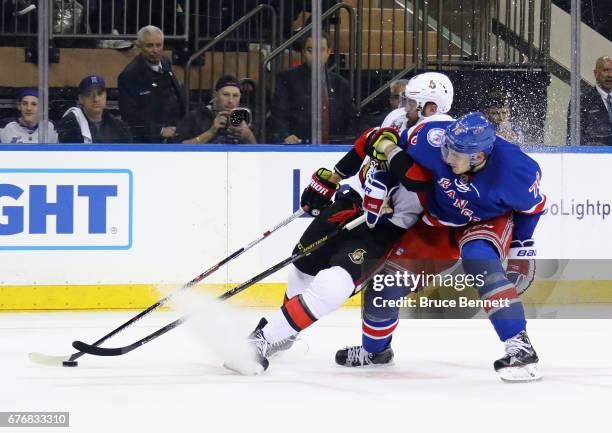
[239, 115]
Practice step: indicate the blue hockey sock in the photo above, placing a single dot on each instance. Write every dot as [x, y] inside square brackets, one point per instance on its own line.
[480, 259]
[380, 317]
[376, 336]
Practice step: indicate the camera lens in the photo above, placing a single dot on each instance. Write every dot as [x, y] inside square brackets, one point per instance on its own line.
[239, 115]
[235, 118]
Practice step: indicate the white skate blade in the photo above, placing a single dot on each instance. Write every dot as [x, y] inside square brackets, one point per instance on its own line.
[42, 359]
[386, 364]
[245, 367]
[368, 366]
[299, 346]
[527, 373]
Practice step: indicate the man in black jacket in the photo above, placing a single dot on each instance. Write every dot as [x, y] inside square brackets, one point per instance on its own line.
[150, 98]
[212, 123]
[290, 118]
[91, 122]
[596, 108]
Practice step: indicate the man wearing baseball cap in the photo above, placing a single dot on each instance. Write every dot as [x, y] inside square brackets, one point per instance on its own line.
[90, 122]
[24, 129]
[212, 124]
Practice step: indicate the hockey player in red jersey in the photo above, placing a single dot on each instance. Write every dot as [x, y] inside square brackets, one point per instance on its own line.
[321, 282]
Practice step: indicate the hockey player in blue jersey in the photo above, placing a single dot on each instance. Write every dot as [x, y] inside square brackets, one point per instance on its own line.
[486, 197]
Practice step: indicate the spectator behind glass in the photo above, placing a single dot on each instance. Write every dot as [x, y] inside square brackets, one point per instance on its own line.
[106, 17]
[24, 129]
[91, 122]
[290, 117]
[210, 124]
[396, 88]
[150, 98]
[498, 112]
[596, 108]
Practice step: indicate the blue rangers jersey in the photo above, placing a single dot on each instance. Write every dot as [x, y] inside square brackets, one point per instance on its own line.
[509, 181]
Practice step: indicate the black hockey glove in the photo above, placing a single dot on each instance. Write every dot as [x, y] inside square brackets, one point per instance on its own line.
[318, 195]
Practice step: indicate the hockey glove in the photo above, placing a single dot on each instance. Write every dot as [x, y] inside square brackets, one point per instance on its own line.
[377, 190]
[319, 193]
[521, 264]
[374, 141]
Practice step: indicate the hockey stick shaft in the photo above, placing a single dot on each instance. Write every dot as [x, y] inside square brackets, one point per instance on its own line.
[107, 351]
[194, 281]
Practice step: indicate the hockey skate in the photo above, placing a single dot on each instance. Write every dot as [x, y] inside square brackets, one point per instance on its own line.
[275, 349]
[521, 361]
[259, 363]
[356, 356]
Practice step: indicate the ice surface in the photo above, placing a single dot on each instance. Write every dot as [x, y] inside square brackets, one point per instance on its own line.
[442, 379]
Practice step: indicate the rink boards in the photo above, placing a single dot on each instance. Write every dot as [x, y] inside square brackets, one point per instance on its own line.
[110, 227]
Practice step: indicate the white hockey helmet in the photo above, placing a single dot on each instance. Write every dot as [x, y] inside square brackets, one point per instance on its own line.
[429, 87]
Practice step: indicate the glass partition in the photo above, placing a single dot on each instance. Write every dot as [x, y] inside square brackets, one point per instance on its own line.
[510, 58]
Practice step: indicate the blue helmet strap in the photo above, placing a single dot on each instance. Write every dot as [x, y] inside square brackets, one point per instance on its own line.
[473, 162]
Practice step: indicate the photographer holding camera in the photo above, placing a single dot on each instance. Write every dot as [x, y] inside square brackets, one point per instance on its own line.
[220, 122]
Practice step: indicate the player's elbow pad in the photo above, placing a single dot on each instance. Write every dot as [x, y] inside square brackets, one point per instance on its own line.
[349, 164]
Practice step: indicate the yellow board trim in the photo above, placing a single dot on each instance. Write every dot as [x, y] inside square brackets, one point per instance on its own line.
[270, 295]
[127, 296]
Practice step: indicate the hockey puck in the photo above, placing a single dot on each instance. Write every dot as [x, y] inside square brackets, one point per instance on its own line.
[70, 364]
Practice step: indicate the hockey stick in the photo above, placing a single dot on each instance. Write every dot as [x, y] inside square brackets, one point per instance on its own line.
[41, 358]
[116, 351]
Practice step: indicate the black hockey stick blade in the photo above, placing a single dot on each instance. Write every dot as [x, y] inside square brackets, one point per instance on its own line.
[116, 351]
[96, 350]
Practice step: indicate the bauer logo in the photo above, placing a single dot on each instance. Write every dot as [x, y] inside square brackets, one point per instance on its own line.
[65, 209]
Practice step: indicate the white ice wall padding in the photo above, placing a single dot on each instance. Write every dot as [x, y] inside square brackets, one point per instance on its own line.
[192, 209]
[174, 229]
[261, 195]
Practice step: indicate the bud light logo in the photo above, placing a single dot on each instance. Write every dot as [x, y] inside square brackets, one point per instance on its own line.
[65, 209]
